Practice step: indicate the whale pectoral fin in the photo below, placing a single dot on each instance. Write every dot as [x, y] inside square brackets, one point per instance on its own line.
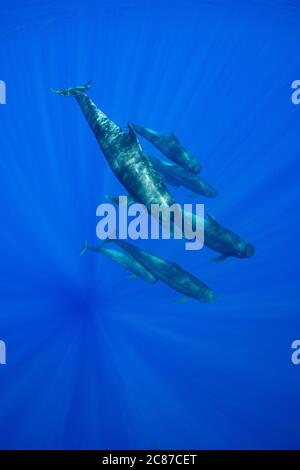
[112, 199]
[133, 277]
[175, 138]
[183, 299]
[219, 258]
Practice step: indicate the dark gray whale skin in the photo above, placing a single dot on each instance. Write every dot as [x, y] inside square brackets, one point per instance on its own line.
[170, 146]
[124, 259]
[178, 176]
[123, 152]
[170, 273]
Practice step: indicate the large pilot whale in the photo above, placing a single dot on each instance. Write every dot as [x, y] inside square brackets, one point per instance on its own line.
[170, 273]
[123, 152]
[216, 237]
[175, 175]
[171, 147]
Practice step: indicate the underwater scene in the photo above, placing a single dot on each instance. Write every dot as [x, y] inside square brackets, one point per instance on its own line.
[113, 336]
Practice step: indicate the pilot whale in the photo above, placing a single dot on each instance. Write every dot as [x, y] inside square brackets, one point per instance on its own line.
[171, 147]
[123, 152]
[175, 175]
[170, 273]
[216, 237]
[124, 259]
[225, 241]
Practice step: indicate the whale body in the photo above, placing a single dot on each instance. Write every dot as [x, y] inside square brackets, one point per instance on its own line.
[123, 152]
[170, 273]
[175, 175]
[171, 147]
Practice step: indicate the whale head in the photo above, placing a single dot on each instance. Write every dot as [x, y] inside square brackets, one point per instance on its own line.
[210, 191]
[244, 249]
[209, 296]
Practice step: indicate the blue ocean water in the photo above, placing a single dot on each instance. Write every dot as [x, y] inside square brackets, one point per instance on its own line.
[95, 360]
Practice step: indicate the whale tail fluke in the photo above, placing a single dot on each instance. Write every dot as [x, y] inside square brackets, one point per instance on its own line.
[84, 248]
[73, 91]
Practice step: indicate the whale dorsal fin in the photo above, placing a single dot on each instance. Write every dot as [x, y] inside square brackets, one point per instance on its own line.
[132, 134]
[175, 138]
[133, 137]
